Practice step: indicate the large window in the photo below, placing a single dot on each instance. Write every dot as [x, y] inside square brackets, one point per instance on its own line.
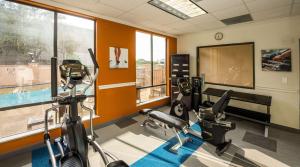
[150, 66]
[27, 43]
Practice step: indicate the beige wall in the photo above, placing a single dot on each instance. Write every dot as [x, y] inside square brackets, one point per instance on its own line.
[278, 33]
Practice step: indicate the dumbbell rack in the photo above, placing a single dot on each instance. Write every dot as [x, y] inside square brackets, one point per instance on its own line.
[180, 67]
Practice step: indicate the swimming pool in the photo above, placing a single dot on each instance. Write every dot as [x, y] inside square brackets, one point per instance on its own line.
[29, 97]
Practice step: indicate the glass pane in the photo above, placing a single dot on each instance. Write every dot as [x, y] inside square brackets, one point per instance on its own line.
[26, 46]
[24, 119]
[25, 51]
[159, 60]
[75, 36]
[146, 94]
[143, 59]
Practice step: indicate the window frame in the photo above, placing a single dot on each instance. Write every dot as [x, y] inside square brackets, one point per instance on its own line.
[55, 48]
[138, 88]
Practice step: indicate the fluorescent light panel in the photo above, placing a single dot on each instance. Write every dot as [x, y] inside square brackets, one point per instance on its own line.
[183, 9]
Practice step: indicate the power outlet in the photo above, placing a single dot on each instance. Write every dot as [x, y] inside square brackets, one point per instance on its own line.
[284, 80]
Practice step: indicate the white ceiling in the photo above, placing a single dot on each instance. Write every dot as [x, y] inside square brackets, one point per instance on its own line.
[139, 12]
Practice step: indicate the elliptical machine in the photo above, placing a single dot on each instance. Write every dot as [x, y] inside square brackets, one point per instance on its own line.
[74, 141]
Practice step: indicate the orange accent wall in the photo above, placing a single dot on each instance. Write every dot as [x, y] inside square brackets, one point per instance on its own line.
[115, 103]
[111, 34]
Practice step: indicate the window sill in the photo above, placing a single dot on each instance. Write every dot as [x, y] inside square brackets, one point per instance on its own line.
[36, 131]
[153, 100]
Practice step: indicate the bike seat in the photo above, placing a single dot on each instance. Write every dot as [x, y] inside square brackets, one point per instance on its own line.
[118, 163]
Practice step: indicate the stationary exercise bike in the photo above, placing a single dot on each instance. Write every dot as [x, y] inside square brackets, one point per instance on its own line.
[211, 119]
[74, 141]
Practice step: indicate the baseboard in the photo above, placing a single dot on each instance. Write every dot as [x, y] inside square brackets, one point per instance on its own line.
[289, 129]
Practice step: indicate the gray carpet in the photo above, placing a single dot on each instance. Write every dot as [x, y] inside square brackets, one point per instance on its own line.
[241, 160]
[260, 141]
[125, 122]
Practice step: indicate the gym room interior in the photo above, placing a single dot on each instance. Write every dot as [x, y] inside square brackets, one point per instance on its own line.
[146, 83]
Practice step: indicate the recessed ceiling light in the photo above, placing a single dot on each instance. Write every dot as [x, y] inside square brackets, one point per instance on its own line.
[183, 9]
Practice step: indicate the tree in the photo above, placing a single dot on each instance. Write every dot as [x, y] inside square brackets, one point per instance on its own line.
[21, 26]
[67, 48]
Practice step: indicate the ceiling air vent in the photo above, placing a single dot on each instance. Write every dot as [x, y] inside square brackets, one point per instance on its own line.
[238, 19]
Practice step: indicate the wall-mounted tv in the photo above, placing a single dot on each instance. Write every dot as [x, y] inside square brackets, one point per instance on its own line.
[228, 64]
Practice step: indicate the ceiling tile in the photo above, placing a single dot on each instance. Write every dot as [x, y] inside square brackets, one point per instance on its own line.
[92, 5]
[188, 29]
[231, 12]
[273, 13]
[151, 24]
[179, 24]
[136, 19]
[297, 1]
[150, 12]
[201, 19]
[296, 9]
[78, 3]
[261, 5]
[211, 25]
[169, 30]
[215, 5]
[124, 5]
[105, 10]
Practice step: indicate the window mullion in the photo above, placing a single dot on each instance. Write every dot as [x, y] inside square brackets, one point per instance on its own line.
[152, 83]
[55, 51]
[55, 35]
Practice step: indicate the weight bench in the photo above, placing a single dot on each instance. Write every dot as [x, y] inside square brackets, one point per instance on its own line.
[156, 119]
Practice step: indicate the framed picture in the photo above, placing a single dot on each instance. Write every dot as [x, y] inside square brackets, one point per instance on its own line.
[276, 60]
[118, 57]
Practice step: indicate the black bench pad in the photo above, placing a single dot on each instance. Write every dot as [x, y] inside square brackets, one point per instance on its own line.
[118, 163]
[168, 119]
[145, 111]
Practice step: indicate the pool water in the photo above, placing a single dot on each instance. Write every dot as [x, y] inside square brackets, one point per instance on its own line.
[29, 97]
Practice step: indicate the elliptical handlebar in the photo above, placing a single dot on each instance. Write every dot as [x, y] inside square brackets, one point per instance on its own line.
[94, 77]
[93, 58]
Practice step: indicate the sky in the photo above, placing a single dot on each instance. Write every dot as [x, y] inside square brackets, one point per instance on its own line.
[143, 47]
[76, 21]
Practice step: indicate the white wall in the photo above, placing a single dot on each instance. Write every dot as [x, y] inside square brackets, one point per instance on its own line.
[278, 33]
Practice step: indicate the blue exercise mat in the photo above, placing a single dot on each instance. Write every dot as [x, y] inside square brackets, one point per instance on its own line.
[40, 157]
[162, 157]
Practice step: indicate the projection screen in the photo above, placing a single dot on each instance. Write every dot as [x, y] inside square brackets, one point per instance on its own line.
[229, 65]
